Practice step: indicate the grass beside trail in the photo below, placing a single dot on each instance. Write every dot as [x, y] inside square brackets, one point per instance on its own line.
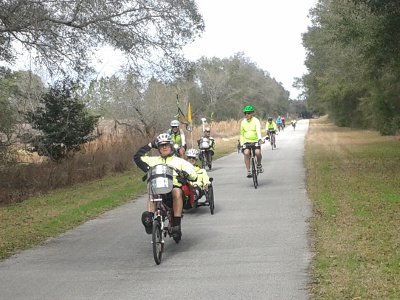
[33, 221]
[354, 184]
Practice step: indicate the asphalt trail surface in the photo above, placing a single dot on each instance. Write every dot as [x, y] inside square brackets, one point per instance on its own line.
[255, 246]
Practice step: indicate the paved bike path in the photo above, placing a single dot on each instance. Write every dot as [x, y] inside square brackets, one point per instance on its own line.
[254, 247]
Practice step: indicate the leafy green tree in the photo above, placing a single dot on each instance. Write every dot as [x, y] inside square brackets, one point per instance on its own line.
[354, 63]
[64, 34]
[63, 124]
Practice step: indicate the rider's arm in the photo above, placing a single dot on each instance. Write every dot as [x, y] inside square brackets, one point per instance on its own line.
[188, 168]
[258, 129]
[138, 158]
[205, 178]
[212, 143]
[241, 139]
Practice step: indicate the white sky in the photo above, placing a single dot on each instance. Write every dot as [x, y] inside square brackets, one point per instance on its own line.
[267, 31]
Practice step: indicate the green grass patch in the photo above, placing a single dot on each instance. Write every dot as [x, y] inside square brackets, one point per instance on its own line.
[353, 183]
[33, 221]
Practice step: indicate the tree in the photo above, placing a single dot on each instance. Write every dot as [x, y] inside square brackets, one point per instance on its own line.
[65, 33]
[62, 122]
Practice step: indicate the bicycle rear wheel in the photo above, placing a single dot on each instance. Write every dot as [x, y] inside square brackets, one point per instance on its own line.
[157, 241]
[254, 172]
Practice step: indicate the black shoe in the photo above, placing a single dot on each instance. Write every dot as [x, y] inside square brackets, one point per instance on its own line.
[176, 232]
[147, 221]
[249, 175]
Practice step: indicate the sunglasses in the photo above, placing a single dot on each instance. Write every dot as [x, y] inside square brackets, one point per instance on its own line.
[191, 158]
[174, 127]
[248, 113]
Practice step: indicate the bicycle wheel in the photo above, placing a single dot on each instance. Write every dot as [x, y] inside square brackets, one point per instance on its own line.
[203, 160]
[157, 241]
[210, 198]
[254, 171]
[272, 141]
[209, 160]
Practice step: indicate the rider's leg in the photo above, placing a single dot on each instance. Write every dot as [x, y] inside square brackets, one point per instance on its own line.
[246, 156]
[259, 158]
[177, 208]
[147, 217]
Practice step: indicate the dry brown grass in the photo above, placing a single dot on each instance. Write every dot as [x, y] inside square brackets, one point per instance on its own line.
[111, 153]
[353, 182]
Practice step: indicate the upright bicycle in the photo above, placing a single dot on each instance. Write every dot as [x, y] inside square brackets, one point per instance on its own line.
[271, 137]
[253, 162]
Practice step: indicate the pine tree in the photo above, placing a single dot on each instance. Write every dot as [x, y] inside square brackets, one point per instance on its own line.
[62, 121]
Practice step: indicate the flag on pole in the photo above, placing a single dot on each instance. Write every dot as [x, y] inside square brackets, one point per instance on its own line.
[189, 114]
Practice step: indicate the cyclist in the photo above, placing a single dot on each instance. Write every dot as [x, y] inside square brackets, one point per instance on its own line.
[164, 145]
[178, 137]
[250, 132]
[203, 181]
[279, 123]
[206, 134]
[293, 122]
[271, 128]
[283, 121]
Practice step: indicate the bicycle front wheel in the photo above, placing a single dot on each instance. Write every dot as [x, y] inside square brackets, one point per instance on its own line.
[157, 241]
[254, 172]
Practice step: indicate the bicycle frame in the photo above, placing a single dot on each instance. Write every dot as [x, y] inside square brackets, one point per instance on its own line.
[253, 162]
[272, 138]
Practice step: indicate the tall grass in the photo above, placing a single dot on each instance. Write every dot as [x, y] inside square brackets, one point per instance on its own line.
[111, 153]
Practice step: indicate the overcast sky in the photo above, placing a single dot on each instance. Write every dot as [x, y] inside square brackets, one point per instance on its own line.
[268, 32]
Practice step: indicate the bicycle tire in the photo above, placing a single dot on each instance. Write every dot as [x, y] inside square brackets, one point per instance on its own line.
[157, 241]
[210, 198]
[254, 172]
[203, 161]
[272, 141]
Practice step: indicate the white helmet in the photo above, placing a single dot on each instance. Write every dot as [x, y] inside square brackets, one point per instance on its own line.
[163, 138]
[174, 123]
[207, 129]
[192, 153]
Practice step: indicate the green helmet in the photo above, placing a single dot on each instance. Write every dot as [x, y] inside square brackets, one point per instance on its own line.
[248, 108]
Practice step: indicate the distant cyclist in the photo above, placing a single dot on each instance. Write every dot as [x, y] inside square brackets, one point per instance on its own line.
[293, 122]
[178, 137]
[250, 132]
[271, 128]
[279, 123]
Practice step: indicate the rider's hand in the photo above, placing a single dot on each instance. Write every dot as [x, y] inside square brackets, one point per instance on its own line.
[260, 141]
[153, 144]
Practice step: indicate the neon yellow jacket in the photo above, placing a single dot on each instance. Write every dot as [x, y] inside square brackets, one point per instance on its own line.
[270, 126]
[172, 161]
[250, 131]
[202, 177]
